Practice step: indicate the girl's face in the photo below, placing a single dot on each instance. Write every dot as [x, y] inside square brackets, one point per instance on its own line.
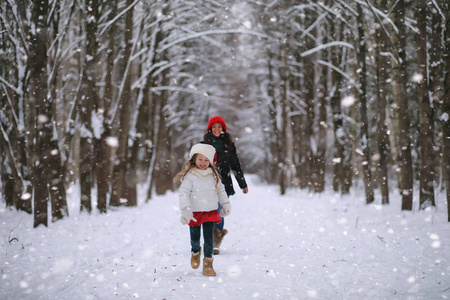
[201, 162]
[216, 129]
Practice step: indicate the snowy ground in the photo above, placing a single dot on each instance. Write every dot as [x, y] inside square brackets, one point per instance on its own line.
[299, 246]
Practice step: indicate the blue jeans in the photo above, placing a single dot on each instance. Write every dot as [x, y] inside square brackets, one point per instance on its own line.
[220, 225]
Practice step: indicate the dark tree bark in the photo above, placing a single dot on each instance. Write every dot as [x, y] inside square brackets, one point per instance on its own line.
[273, 170]
[124, 183]
[400, 106]
[102, 149]
[446, 110]
[162, 172]
[55, 164]
[436, 27]
[307, 169]
[322, 134]
[38, 91]
[322, 122]
[426, 127]
[88, 100]
[342, 149]
[381, 134]
[364, 124]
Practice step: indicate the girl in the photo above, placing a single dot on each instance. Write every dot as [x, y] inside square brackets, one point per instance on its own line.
[200, 192]
[227, 161]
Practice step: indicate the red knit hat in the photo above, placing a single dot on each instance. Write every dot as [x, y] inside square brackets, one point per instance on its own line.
[216, 120]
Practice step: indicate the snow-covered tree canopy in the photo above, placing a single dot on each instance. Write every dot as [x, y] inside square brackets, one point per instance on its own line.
[318, 93]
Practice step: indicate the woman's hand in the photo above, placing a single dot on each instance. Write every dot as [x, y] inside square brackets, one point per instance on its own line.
[245, 190]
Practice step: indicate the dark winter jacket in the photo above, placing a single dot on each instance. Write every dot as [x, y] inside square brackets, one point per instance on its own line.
[227, 160]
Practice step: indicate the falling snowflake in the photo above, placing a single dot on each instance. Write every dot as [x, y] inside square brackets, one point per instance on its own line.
[348, 101]
[112, 142]
[417, 77]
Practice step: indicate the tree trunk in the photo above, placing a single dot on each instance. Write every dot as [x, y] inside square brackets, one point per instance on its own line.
[284, 145]
[103, 148]
[435, 70]
[342, 155]
[120, 181]
[364, 125]
[319, 185]
[103, 168]
[322, 123]
[38, 91]
[162, 172]
[273, 161]
[152, 133]
[307, 155]
[426, 125]
[88, 101]
[56, 181]
[381, 135]
[446, 111]
[55, 166]
[154, 107]
[400, 106]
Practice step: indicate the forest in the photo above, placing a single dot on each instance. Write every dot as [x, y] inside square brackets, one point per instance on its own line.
[317, 94]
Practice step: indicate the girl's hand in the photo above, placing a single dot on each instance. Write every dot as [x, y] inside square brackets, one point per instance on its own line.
[226, 208]
[187, 215]
[245, 190]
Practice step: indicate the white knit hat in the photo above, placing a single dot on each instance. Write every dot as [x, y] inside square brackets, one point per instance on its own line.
[204, 149]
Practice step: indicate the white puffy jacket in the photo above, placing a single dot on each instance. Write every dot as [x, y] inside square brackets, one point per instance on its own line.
[198, 191]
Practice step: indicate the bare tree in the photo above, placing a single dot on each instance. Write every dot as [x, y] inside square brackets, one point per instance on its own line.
[446, 109]
[381, 96]
[124, 181]
[342, 175]
[400, 106]
[323, 123]
[44, 170]
[89, 99]
[362, 95]
[14, 120]
[103, 148]
[426, 125]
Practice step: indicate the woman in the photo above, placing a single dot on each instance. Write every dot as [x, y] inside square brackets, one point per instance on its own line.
[227, 161]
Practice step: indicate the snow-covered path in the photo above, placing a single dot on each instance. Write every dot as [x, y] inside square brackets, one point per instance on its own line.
[297, 246]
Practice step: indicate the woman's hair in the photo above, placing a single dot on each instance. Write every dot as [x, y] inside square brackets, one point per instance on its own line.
[190, 164]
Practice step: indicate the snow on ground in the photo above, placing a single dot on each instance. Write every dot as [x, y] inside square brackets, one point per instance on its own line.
[297, 246]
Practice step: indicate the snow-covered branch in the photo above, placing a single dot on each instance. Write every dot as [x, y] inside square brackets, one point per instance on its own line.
[325, 46]
[211, 32]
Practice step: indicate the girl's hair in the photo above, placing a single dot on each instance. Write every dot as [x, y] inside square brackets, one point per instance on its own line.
[190, 164]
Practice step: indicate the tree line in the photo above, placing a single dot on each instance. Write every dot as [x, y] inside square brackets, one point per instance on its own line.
[111, 94]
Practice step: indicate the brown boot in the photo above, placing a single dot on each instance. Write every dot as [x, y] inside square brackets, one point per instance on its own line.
[218, 238]
[195, 259]
[208, 269]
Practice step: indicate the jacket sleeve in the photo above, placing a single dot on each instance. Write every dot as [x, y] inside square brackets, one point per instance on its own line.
[235, 166]
[184, 192]
[222, 194]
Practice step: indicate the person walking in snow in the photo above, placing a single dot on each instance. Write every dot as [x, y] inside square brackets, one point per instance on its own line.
[200, 193]
[227, 161]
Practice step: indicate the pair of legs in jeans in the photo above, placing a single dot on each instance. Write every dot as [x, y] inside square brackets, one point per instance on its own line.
[208, 233]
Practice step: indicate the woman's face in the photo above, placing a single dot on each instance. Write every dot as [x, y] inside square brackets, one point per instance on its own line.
[201, 162]
[216, 129]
